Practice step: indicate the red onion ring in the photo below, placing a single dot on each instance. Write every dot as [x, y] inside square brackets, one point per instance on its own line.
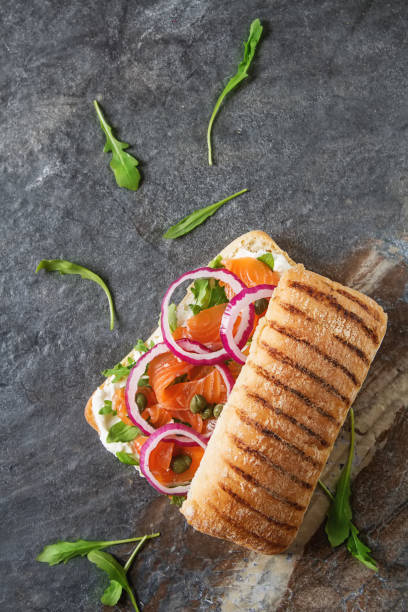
[244, 330]
[152, 442]
[240, 302]
[139, 369]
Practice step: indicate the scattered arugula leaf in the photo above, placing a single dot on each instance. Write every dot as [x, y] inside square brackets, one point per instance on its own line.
[118, 371]
[115, 572]
[340, 509]
[63, 551]
[112, 594]
[123, 164]
[207, 293]
[255, 32]
[216, 262]
[172, 314]
[127, 458]
[120, 432]
[359, 550]
[340, 513]
[197, 217]
[177, 500]
[267, 258]
[67, 267]
[107, 408]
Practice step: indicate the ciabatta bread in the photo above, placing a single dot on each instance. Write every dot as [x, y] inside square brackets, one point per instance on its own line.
[308, 359]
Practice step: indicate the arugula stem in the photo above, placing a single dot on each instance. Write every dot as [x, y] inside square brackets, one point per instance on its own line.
[326, 490]
[134, 553]
[210, 124]
[145, 537]
[133, 600]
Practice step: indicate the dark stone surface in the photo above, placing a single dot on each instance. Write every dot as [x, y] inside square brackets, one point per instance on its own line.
[318, 134]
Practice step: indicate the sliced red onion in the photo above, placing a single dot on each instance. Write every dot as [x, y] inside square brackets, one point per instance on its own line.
[243, 332]
[167, 431]
[240, 302]
[139, 369]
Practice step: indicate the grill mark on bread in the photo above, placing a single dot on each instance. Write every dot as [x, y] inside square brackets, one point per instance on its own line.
[255, 482]
[240, 500]
[354, 348]
[322, 297]
[273, 352]
[298, 394]
[290, 418]
[350, 296]
[294, 310]
[291, 333]
[226, 517]
[278, 468]
[268, 432]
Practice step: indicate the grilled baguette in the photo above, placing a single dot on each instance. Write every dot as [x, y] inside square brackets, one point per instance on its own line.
[308, 360]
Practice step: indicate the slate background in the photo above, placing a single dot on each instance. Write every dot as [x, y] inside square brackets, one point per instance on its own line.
[318, 133]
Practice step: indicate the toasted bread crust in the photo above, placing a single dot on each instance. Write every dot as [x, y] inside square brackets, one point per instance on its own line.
[307, 362]
[252, 241]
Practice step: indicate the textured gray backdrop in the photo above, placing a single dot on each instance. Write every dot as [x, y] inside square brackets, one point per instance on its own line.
[318, 133]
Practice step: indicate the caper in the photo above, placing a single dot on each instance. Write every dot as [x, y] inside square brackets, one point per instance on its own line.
[198, 403]
[217, 410]
[261, 305]
[141, 401]
[180, 464]
[208, 412]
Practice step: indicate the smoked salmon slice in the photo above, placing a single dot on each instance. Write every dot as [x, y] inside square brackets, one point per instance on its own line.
[204, 327]
[251, 272]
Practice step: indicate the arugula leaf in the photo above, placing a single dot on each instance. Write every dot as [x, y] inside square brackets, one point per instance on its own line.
[340, 514]
[67, 267]
[120, 432]
[359, 550]
[207, 293]
[107, 408]
[197, 217]
[216, 262]
[177, 500]
[172, 314]
[142, 346]
[123, 164]
[255, 32]
[127, 458]
[112, 594]
[143, 382]
[62, 551]
[118, 371]
[114, 570]
[267, 258]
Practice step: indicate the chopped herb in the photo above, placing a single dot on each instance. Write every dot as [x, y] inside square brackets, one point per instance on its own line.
[67, 267]
[120, 432]
[216, 262]
[207, 293]
[143, 382]
[267, 258]
[127, 458]
[172, 314]
[181, 422]
[123, 164]
[107, 408]
[197, 217]
[339, 527]
[177, 500]
[255, 32]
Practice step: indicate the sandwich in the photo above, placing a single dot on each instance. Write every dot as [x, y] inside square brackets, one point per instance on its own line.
[234, 405]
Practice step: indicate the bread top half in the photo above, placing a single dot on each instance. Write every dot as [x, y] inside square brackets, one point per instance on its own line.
[308, 359]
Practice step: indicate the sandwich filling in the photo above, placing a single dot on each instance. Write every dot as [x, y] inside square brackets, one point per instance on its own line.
[174, 391]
